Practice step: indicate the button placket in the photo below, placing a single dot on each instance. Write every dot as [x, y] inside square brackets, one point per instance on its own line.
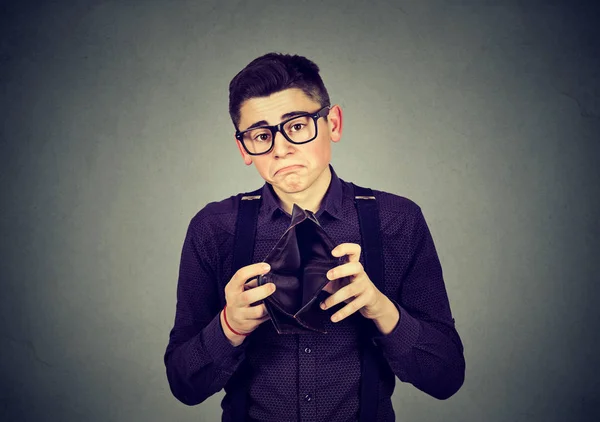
[307, 376]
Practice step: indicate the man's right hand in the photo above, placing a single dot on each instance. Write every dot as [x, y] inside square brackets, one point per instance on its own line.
[239, 295]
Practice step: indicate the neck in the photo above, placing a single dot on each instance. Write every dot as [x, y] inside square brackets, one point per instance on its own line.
[308, 199]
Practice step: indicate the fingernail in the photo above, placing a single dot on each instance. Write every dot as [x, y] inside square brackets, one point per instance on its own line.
[266, 267]
[272, 287]
[322, 305]
[329, 275]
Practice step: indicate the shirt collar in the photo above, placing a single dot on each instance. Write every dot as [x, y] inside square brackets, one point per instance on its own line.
[331, 203]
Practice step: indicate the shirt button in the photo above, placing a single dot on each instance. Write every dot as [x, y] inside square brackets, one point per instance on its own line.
[308, 397]
[307, 350]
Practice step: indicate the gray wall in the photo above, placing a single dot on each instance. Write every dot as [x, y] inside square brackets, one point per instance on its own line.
[115, 133]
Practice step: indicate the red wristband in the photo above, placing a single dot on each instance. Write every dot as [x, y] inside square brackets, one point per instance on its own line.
[229, 326]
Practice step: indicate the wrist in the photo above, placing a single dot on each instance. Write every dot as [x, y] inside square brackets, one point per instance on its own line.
[234, 339]
[389, 317]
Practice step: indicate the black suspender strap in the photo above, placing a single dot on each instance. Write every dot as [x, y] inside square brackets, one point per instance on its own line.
[245, 230]
[243, 251]
[370, 231]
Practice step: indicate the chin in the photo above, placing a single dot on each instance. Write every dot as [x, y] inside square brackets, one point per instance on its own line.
[293, 188]
[300, 186]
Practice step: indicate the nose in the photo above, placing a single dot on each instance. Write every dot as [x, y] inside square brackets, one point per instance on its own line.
[281, 146]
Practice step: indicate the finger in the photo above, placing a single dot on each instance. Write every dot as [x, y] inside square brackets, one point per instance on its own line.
[251, 284]
[242, 275]
[255, 294]
[257, 322]
[255, 312]
[263, 319]
[345, 270]
[347, 292]
[350, 249]
[256, 303]
[348, 310]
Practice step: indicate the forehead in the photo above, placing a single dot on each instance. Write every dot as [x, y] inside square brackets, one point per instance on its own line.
[271, 108]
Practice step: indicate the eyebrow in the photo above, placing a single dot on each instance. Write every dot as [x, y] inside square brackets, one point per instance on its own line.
[283, 117]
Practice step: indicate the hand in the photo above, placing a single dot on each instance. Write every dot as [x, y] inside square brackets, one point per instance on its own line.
[240, 294]
[357, 290]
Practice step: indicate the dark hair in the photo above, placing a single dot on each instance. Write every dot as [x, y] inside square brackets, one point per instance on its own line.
[272, 73]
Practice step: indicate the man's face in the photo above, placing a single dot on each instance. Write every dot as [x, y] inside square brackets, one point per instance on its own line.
[309, 160]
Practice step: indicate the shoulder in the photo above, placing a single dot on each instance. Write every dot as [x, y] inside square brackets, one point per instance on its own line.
[395, 204]
[217, 217]
[397, 213]
[387, 202]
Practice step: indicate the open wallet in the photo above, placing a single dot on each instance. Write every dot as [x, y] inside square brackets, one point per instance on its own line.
[299, 264]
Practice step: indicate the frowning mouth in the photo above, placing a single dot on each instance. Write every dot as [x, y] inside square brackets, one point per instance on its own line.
[288, 169]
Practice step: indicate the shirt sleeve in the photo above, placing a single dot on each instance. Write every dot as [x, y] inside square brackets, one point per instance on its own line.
[424, 348]
[199, 358]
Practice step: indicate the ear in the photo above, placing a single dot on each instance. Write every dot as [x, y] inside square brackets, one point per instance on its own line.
[247, 158]
[334, 121]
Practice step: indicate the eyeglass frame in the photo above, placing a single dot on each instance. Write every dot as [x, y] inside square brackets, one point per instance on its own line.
[239, 135]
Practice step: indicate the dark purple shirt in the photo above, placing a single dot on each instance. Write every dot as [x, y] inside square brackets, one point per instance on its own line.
[313, 377]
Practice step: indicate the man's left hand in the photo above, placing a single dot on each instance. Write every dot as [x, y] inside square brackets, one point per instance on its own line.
[358, 291]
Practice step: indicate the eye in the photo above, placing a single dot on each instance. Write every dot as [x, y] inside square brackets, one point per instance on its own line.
[262, 137]
[297, 126]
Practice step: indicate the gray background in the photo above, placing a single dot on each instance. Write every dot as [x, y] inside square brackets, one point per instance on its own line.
[115, 132]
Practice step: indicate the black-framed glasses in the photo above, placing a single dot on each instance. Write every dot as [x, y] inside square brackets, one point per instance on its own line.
[298, 130]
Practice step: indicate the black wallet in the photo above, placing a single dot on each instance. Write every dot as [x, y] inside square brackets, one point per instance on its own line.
[299, 264]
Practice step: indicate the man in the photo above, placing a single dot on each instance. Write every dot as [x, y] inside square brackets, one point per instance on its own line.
[284, 126]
